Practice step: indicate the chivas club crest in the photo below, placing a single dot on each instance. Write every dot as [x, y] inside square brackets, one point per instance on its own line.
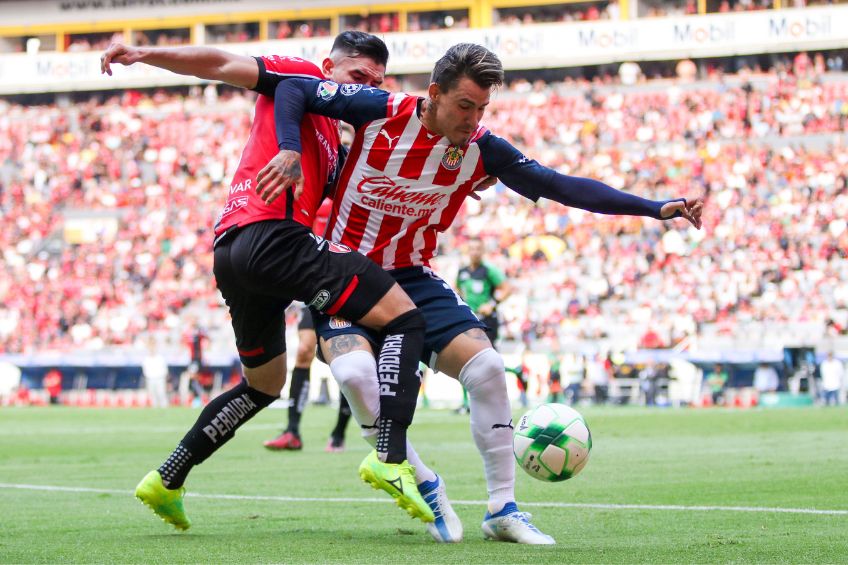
[452, 158]
[337, 323]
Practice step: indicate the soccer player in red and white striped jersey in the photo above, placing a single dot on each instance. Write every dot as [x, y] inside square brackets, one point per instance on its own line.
[266, 257]
[412, 163]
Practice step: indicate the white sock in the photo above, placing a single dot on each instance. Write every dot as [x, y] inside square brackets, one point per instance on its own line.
[491, 417]
[356, 374]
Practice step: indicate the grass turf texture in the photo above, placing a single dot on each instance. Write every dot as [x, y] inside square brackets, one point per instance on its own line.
[787, 458]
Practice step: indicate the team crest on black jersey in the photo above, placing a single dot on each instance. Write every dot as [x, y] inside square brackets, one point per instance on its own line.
[452, 159]
[327, 89]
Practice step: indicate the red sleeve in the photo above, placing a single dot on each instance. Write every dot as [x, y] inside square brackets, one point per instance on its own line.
[275, 68]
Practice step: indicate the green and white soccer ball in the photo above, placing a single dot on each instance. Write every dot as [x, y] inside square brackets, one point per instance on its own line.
[552, 442]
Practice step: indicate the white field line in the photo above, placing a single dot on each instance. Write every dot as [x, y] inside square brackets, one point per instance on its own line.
[599, 506]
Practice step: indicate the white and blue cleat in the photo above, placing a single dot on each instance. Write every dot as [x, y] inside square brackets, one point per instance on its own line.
[446, 528]
[511, 525]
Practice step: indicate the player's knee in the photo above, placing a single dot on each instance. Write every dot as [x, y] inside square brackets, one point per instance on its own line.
[304, 357]
[483, 372]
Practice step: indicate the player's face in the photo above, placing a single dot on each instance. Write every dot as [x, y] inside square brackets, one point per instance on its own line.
[475, 251]
[459, 110]
[356, 70]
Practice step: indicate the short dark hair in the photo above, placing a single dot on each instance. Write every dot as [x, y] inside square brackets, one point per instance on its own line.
[469, 60]
[361, 44]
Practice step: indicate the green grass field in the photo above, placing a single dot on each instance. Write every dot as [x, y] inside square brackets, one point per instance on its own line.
[658, 489]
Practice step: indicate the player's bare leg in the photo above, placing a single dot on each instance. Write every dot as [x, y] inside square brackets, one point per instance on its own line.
[290, 439]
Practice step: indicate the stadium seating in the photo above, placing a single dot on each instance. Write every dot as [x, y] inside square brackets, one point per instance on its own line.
[768, 150]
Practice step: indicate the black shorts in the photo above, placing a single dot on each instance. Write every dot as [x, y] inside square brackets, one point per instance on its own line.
[493, 324]
[263, 267]
[306, 321]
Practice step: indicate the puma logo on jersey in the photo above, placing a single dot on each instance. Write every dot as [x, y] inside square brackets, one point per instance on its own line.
[390, 139]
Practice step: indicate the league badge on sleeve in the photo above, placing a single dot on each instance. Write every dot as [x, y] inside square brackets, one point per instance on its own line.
[327, 89]
[452, 159]
[350, 89]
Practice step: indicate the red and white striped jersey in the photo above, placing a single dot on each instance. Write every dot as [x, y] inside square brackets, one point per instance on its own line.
[401, 186]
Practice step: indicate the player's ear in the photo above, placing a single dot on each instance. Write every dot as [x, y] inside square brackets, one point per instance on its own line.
[327, 67]
[433, 91]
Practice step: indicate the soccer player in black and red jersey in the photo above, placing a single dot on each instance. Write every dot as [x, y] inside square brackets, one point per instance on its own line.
[265, 257]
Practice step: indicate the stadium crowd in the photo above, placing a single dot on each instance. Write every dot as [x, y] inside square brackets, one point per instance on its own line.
[774, 248]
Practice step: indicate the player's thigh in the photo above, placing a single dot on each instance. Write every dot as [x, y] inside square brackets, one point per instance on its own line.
[446, 316]
[258, 320]
[461, 350]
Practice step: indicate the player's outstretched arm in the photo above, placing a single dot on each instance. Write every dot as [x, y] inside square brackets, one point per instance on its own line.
[203, 62]
[532, 180]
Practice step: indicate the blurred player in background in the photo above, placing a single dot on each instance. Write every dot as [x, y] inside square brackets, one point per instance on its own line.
[482, 286]
[266, 257]
[412, 163]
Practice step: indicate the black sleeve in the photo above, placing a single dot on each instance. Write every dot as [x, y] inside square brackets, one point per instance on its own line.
[532, 180]
[353, 103]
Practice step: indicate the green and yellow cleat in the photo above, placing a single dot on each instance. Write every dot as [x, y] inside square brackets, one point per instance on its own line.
[397, 479]
[165, 503]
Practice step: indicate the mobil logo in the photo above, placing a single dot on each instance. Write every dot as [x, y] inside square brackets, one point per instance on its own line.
[800, 27]
[700, 34]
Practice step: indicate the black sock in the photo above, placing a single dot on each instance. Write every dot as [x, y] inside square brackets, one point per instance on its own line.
[215, 426]
[400, 380]
[338, 433]
[298, 395]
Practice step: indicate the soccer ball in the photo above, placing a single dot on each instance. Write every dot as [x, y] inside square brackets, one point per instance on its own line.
[552, 442]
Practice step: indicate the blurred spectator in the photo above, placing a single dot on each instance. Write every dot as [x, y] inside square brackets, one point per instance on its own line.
[78, 42]
[717, 382]
[648, 383]
[440, 19]
[155, 371]
[765, 378]
[286, 29]
[371, 23]
[832, 379]
[599, 376]
[53, 384]
[232, 33]
[162, 37]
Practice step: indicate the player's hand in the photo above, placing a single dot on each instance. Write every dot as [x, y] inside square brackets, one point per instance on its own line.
[118, 53]
[487, 182]
[486, 309]
[689, 208]
[280, 173]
